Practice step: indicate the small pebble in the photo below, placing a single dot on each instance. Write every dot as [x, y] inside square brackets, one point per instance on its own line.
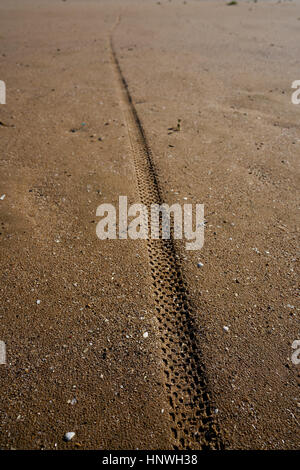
[200, 265]
[146, 334]
[225, 328]
[2, 197]
[69, 436]
[38, 302]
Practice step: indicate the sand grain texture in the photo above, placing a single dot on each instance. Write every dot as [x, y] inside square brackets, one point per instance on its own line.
[78, 360]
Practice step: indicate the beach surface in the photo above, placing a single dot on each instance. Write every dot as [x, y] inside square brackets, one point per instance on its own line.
[127, 343]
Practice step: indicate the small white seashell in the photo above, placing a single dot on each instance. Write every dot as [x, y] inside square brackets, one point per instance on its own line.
[225, 328]
[146, 334]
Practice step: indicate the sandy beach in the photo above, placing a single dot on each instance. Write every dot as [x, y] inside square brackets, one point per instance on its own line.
[142, 344]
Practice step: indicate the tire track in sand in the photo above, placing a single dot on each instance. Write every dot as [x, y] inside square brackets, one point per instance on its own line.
[192, 419]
